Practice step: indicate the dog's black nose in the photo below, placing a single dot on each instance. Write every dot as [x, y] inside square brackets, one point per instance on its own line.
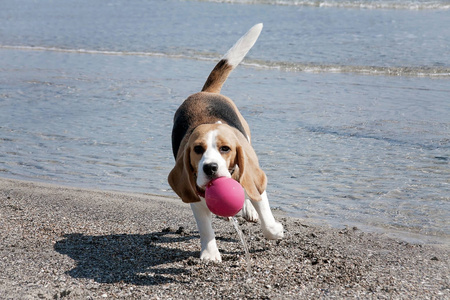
[210, 169]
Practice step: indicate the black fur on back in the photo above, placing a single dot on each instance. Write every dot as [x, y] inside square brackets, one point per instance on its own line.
[197, 110]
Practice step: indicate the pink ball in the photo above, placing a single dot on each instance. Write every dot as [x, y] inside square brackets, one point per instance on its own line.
[224, 196]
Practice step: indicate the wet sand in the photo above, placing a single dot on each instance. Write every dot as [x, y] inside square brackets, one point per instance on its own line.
[59, 242]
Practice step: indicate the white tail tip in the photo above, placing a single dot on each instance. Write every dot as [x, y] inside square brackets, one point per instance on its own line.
[237, 53]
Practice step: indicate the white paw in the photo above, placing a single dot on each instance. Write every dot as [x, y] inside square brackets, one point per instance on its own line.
[213, 255]
[249, 212]
[273, 231]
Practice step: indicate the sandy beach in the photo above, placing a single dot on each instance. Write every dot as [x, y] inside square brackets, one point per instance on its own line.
[68, 243]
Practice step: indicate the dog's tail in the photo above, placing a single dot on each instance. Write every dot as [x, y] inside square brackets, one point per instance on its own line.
[231, 60]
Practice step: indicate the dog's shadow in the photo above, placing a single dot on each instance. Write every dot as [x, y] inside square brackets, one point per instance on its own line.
[141, 259]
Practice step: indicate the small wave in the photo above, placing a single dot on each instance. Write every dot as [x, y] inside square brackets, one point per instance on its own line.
[356, 4]
[362, 70]
[434, 72]
[101, 52]
[357, 134]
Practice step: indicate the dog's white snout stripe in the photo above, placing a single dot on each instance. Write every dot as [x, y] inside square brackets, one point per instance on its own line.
[211, 155]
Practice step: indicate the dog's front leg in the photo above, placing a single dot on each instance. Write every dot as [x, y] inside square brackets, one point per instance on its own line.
[203, 217]
[272, 229]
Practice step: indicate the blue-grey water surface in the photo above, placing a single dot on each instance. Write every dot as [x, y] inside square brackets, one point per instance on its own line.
[349, 102]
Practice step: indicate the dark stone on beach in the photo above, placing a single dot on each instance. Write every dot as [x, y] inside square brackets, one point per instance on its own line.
[168, 230]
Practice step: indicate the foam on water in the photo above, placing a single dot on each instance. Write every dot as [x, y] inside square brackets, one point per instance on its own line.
[356, 4]
[435, 72]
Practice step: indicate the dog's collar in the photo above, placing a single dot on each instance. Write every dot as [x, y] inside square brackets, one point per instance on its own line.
[232, 170]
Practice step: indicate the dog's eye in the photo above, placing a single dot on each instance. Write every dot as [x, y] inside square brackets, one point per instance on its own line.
[199, 149]
[224, 149]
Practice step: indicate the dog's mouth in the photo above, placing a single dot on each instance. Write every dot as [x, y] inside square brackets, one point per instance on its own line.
[201, 190]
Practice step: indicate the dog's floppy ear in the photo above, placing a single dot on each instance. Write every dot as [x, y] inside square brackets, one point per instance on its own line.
[181, 178]
[251, 177]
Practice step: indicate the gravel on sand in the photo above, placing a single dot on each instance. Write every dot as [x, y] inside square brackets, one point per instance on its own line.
[67, 243]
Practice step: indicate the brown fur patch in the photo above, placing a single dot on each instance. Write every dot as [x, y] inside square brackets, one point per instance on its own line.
[217, 77]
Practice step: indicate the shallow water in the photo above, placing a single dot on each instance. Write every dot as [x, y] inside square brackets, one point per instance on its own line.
[348, 107]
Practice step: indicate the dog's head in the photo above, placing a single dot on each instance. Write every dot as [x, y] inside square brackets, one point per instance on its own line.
[212, 151]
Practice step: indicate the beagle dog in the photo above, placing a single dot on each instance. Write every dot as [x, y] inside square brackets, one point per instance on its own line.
[211, 139]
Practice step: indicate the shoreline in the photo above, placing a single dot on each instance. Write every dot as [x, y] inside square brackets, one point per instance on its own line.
[63, 242]
[406, 235]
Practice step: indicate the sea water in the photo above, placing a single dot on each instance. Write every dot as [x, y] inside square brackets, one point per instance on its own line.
[348, 101]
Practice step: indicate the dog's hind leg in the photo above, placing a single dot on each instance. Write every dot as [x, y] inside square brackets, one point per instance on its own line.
[248, 212]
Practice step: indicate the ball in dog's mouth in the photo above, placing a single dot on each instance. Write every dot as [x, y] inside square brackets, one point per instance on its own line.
[224, 196]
